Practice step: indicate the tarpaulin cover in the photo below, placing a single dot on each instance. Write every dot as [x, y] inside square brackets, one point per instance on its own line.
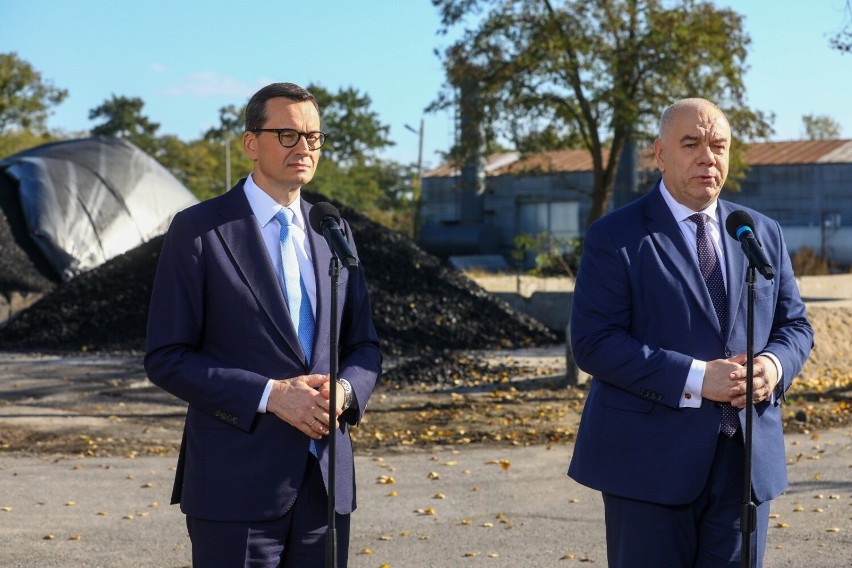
[86, 201]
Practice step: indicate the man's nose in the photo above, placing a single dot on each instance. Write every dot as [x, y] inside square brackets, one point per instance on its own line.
[706, 155]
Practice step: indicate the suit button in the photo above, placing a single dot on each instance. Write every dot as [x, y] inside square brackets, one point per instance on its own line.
[727, 352]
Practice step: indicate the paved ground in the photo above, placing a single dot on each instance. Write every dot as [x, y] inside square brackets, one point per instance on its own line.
[445, 508]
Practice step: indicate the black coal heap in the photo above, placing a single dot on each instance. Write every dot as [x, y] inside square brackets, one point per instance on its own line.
[419, 305]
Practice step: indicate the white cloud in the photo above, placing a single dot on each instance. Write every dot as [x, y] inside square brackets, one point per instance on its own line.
[209, 84]
[158, 68]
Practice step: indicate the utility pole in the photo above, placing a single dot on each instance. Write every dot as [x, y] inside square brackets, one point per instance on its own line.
[418, 185]
[227, 143]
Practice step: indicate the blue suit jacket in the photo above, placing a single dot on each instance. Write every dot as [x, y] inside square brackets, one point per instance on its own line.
[640, 314]
[218, 330]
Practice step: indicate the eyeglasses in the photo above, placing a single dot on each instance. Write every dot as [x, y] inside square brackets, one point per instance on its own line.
[289, 137]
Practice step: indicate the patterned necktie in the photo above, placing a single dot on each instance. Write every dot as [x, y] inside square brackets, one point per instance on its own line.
[294, 287]
[711, 271]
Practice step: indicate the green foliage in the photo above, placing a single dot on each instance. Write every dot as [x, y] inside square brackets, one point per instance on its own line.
[124, 119]
[19, 140]
[842, 40]
[380, 190]
[597, 72]
[25, 99]
[350, 170]
[354, 131]
[553, 256]
[820, 127]
[231, 124]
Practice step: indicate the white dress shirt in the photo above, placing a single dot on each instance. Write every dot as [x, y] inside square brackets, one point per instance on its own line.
[691, 396]
[264, 209]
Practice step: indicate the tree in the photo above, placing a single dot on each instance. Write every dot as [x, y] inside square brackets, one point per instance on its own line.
[842, 40]
[25, 99]
[229, 134]
[820, 127]
[231, 124]
[599, 70]
[354, 131]
[124, 119]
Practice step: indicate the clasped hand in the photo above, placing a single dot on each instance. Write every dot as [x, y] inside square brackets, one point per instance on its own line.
[303, 402]
[725, 380]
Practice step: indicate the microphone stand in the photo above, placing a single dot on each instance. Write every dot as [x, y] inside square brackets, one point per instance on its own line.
[748, 509]
[331, 538]
[334, 273]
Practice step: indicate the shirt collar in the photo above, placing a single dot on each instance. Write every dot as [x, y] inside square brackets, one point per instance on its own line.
[682, 212]
[265, 208]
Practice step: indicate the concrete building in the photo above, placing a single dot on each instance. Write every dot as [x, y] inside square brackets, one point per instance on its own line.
[805, 185]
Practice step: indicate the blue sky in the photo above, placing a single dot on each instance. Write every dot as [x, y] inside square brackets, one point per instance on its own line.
[186, 60]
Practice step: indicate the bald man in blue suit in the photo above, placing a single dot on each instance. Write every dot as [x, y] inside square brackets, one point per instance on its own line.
[252, 476]
[666, 362]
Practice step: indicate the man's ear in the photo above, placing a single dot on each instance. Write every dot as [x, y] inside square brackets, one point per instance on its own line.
[250, 145]
[658, 154]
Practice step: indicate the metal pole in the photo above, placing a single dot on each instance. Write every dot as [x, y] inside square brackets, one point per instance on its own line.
[227, 162]
[331, 536]
[748, 510]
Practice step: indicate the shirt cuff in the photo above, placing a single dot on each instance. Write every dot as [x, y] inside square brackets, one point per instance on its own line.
[779, 386]
[691, 396]
[261, 407]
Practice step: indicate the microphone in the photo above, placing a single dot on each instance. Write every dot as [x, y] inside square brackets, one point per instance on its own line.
[325, 220]
[739, 225]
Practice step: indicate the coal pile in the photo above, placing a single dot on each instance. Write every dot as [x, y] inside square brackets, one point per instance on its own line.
[420, 306]
[105, 309]
[23, 269]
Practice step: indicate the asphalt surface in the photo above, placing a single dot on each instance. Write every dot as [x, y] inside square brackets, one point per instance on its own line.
[471, 506]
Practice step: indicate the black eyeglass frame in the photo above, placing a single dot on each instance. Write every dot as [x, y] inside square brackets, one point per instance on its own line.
[279, 131]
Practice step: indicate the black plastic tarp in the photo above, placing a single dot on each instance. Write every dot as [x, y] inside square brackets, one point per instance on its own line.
[86, 201]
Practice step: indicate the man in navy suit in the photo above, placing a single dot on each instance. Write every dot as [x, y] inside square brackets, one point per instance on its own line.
[252, 474]
[668, 362]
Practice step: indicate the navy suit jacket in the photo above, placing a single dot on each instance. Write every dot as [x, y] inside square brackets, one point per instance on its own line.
[218, 329]
[641, 313]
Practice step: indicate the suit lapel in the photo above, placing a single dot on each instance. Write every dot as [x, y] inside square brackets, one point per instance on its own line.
[241, 236]
[735, 266]
[321, 258]
[664, 230]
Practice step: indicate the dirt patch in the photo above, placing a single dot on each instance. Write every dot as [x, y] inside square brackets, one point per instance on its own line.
[103, 405]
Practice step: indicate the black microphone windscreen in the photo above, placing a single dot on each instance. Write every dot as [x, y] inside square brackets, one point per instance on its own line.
[736, 220]
[321, 211]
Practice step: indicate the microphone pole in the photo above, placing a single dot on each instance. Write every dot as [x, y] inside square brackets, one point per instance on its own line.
[324, 219]
[739, 225]
[331, 537]
[748, 510]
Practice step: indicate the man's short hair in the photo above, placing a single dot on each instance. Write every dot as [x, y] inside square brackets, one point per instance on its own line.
[256, 108]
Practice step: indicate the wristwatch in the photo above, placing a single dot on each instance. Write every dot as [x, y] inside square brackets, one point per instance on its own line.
[347, 393]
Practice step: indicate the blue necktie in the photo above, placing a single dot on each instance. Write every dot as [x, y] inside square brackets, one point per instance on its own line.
[711, 271]
[298, 301]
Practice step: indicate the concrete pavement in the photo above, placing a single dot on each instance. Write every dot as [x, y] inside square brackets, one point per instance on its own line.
[470, 506]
